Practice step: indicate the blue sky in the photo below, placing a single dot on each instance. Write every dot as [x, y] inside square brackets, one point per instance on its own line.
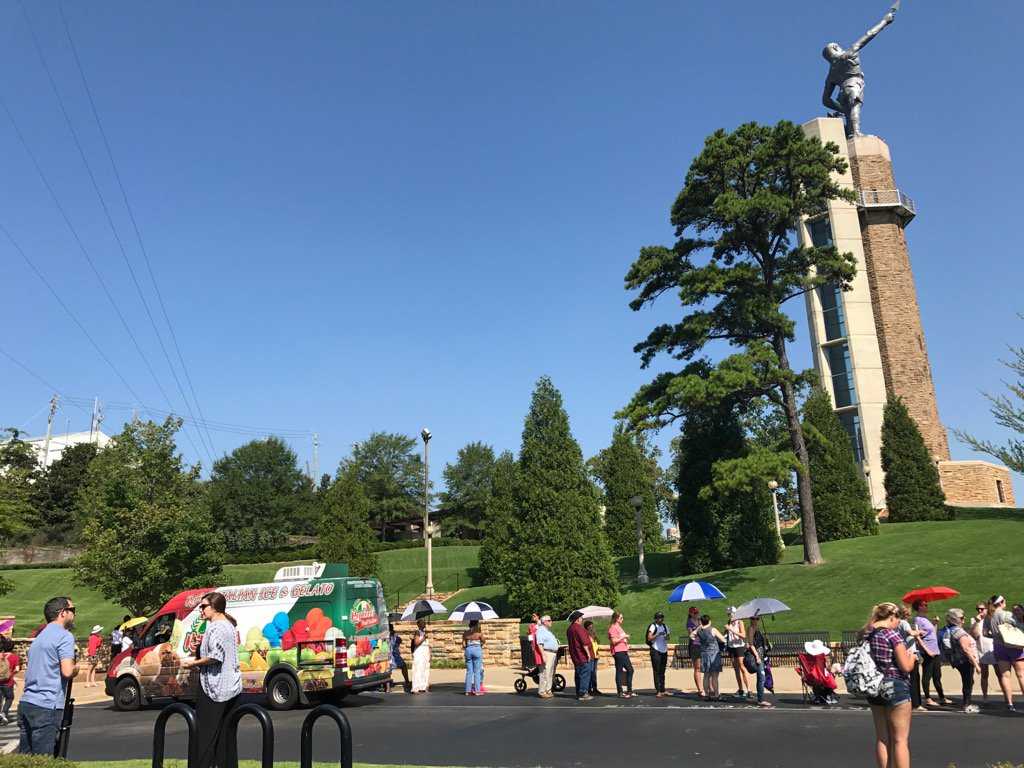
[379, 216]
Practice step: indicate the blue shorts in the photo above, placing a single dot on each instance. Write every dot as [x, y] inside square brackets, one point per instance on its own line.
[900, 694]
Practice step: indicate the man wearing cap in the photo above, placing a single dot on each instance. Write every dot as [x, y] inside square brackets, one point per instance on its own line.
[581, 651]
[657, 638]
[548, 644]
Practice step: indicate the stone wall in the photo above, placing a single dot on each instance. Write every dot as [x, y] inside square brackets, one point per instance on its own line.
[21, 646]
[501, 641]
[905, 364]
[976, 484]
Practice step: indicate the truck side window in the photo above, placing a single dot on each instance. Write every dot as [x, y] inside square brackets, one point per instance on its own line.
[161, 631]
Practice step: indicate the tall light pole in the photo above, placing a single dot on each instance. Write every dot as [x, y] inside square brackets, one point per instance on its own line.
[774, 488]
[641, 572]
[425, 434]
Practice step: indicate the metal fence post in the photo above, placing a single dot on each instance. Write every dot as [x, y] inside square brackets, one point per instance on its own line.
[231, 734]
[160, 726]
[344, 733]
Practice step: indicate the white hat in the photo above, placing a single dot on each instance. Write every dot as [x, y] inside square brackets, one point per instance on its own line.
[817, 648]
[96, 630]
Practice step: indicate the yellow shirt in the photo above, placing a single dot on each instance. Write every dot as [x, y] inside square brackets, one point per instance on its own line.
[593, 643]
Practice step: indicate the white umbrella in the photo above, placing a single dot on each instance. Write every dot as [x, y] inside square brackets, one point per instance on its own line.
[596, 612]
[760, 606]
[472, 611]
[417, 609]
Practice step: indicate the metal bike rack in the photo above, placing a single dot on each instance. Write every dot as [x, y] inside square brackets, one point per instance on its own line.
[160, 726]
[306, 744]
[231, 734]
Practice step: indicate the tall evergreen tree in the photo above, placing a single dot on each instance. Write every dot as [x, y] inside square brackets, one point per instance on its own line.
[912, 489]
[725, 513]
[624, 471]
[19, 473]
[344, 530]
[734, 265]
[561, 556]
[468, 487]
[841, 497]
[496, 554]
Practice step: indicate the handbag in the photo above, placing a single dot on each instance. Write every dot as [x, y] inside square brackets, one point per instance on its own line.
[1011, 635]
[750, 662]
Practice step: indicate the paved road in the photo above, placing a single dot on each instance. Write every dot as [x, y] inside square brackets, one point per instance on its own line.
[447, 728]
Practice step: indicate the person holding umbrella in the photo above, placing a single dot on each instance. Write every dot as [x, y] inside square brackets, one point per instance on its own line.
[758, 645]
[931, 659]
[473, 650]
[421, 658]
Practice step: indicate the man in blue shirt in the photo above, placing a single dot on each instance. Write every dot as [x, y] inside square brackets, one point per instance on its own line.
[549, 647]
[51, 664]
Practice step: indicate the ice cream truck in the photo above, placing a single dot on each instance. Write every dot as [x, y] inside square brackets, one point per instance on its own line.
[313, 633]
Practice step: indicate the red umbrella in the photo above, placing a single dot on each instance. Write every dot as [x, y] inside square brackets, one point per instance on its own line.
[930, 594]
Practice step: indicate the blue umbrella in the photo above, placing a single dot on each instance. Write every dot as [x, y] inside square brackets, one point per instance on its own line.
[695, 590]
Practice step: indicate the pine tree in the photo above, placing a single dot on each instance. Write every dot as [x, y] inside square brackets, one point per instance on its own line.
[842, 501]
[495, 549]
[561, 558]
[344, 528]
[912, 490]
[624, 471]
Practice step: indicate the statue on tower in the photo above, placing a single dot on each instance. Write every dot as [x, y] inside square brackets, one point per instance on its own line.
[845, 74]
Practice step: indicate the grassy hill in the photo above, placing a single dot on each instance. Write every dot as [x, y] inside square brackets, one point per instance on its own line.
[974, 554]
[402, 574]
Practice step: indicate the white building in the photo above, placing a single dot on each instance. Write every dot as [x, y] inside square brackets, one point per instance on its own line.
[60, 441]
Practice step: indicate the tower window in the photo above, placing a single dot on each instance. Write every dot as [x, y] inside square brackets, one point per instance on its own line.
[999, 490]
[841, 372]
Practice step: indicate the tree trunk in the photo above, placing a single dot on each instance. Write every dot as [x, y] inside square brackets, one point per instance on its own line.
[812, 551]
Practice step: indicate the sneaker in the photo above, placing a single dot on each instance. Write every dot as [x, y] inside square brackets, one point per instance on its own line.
[587, 697]
[740, 693]
[765, 704]
[971, 709]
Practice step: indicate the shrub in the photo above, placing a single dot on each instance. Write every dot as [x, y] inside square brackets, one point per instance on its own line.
[912, 490]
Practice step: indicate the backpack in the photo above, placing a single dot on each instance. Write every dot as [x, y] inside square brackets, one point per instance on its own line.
[862, 676]
[5, 667]
[949, 644]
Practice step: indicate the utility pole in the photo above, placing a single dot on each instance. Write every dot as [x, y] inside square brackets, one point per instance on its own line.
[641, 572]
[316, 458]
[92, 420]
[49, 430]
[425, 434]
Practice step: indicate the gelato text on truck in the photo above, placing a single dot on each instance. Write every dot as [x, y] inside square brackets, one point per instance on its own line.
[312, 633]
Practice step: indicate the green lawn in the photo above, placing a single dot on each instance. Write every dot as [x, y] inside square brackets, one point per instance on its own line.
[402, 574]
[974, 554]
[241, 764]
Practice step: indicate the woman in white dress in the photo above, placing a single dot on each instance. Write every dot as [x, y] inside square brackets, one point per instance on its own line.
[420, 659]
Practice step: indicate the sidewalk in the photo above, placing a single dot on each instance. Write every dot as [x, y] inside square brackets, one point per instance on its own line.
[501, 679]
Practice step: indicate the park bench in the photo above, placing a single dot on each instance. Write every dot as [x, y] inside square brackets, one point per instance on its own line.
[681, 656]
[787, 645]
[851, 639]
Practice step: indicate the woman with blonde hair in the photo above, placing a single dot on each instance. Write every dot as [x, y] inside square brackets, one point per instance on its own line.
[891, 710]
[1008, 657]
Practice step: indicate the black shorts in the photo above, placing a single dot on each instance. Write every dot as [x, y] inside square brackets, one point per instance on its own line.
[736, 653]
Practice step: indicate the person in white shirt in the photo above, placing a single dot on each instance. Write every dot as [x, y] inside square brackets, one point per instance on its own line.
[657, 638]
[548, 644]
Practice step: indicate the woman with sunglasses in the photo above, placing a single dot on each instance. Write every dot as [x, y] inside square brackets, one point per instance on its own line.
[220, 681]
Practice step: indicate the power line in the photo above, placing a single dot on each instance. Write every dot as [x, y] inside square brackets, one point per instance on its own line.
[109, 218]
[39, 378]
[88, 258]
[131, 212]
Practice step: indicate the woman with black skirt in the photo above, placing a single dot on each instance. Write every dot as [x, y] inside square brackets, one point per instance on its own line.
[220, 681]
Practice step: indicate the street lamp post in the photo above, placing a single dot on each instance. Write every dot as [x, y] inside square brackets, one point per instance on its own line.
[641, 572]
[774, 488]
[427, 533]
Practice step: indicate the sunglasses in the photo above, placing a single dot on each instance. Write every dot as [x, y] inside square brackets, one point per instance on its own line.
[70, 609]
[203, 605]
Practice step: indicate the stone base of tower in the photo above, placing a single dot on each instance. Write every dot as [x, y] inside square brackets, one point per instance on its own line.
[976, 484]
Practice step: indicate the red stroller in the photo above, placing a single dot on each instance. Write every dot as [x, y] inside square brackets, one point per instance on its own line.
[819, 684]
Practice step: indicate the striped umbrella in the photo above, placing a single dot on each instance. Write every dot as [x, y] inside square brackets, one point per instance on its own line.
[417, 609]
[472, 611]
[695, 590]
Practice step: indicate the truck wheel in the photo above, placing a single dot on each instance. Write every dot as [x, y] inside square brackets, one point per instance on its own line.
[520, 685]
[127, 695]
[558, 683]
[282, 692]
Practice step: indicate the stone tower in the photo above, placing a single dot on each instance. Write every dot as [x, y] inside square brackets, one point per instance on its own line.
[868, 342]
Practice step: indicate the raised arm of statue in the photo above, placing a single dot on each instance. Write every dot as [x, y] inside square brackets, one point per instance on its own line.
[871, 33]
